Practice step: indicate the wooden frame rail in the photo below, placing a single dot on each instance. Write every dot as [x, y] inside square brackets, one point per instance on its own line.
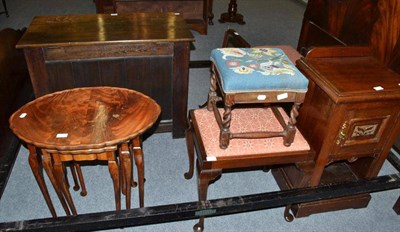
[210, 208]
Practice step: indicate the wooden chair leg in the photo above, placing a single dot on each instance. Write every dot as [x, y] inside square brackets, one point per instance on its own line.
[291, 126]
[204, 179]
[226, 124]
[190, 150]
[212, 94]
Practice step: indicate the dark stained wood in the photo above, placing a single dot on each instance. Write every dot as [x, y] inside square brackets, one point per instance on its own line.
[396, 206]
[342, 89]
[210, 12]
[15, 90]
[197, 13]
[361, 22]
[232, 15]
[233, 39]
[337, 22]
[104, 6]
[357, 22]
[193, 210]
[200, 64]
[287, 177]
[345, 119]
[385, 39]
[180, 85]
[104, 29]
[66, 52]
[395, 161]
[86, 124]
[5, 11]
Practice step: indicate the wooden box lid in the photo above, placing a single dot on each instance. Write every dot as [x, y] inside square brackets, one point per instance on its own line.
[350, 74]
[67, 30]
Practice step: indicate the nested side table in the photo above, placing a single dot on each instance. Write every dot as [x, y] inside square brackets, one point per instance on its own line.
[85, 124]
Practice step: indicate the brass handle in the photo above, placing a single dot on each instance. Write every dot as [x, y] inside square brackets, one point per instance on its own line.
[342, 134]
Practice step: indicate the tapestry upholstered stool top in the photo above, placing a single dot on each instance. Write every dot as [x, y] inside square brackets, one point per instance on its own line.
[257, 69]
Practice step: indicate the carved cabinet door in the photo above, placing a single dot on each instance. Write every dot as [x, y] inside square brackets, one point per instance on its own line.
[365, 130]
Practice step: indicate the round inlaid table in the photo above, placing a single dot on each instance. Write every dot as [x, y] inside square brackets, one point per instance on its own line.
[86, 124]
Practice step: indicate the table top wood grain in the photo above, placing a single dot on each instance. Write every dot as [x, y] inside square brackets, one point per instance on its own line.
[68, 30]
[85, 118]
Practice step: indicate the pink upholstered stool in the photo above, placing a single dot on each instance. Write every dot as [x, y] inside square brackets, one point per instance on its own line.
[203, 132]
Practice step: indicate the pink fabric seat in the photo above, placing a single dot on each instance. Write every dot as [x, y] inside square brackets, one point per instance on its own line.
[202, 135]
[243, 120]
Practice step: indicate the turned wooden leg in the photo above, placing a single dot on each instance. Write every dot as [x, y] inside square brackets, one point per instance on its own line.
[126, 166]
[48, 167]
[139, 161]
[203, 180]
[190, 150]
[38, 174]
[291, 127]
[133, 182]
[114, 173]
[226, 124]
[122, 179]
[232, 15]
[212, 94]
[81, 180]
[60, 178]
[74, 176]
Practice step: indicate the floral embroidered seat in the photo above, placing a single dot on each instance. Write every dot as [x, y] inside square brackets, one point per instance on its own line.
[255, 75]
[257, 69]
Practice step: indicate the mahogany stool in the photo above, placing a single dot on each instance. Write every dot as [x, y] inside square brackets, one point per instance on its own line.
[253, 76]
[202, 134]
